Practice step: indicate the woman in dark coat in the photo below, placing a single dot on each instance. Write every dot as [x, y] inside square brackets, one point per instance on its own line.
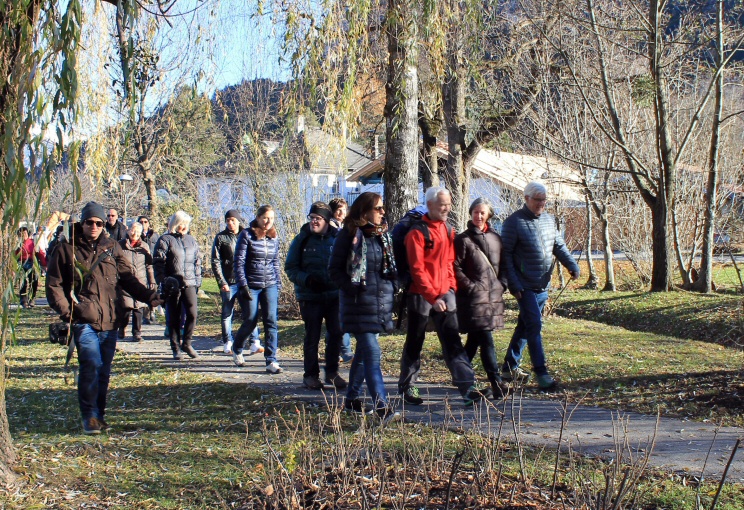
[177, 255]
[363, 267]
[480, 289]
[138, 254]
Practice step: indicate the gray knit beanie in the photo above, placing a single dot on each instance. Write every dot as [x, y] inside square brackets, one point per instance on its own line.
[93, 210]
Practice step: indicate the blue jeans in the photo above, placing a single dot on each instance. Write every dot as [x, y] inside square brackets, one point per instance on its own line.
[528, 332]
[366, 366]
[268, 297]
[228, 308]
[95, 353]
[313, 312]
[346, 351]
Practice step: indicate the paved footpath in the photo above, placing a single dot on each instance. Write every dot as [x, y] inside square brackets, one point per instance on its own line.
[680, 446]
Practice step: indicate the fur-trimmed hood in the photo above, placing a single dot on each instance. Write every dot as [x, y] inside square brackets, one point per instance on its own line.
[260, 233]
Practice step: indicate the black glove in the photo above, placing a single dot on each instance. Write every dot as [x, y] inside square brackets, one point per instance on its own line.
[245, 292]
[315, 284]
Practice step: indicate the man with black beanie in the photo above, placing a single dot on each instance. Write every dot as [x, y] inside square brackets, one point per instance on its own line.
[85, 278]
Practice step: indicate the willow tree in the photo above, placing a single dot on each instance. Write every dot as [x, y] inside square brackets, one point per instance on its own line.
[38, 87]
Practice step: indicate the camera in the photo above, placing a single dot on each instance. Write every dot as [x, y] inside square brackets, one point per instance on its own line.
[59, 333]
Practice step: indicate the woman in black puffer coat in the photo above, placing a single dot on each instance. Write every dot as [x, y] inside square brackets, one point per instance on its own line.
[480, 289]
[363, 267]
[177, 255]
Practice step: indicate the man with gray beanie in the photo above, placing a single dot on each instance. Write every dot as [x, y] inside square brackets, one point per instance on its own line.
[85, 279]
[530, 241]
[223, 251]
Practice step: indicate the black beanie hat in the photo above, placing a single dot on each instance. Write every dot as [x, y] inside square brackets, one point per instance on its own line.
[93, 210]
[233, 213]
[321, 209]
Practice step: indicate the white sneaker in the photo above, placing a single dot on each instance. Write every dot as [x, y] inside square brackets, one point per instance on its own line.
[256, 348]
[274, 368]
[238, 359]
[228, 347]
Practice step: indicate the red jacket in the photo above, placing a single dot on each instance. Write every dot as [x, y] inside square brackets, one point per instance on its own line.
[432, 270]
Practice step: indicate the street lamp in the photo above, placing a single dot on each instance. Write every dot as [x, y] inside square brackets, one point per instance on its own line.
[125, 178]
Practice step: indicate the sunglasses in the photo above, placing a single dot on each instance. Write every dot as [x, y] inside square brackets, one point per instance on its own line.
[379, 208]
[90, 223]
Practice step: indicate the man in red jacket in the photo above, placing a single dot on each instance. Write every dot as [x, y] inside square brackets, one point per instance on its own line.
[432, 293]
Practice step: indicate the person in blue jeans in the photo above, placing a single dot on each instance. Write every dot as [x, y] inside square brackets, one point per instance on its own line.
[257, 273]
[362, 265]
[223, 254]
[85, 279]
[530, 240]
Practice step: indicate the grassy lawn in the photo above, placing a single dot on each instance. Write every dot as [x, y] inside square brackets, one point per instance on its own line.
[184, 440]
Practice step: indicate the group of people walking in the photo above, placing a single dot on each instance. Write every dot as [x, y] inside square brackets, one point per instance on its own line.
[344, 268]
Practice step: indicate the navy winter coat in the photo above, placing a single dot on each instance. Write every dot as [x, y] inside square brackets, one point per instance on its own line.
[530, 242]
[256, 261]
[178, 255]
[309, 255]
[368, 309]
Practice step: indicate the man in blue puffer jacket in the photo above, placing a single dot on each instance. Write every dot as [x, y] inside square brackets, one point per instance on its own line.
[530, 240]
[307, 267]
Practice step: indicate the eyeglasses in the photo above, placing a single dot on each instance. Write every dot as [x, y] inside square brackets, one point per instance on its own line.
[314, 218]
[379, 208]
[144, 221]
[111, 215]
[90, 223]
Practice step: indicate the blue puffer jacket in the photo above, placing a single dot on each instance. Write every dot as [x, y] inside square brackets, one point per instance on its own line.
[309, 255]
[529, 244]
[362, 311]
[257, 258]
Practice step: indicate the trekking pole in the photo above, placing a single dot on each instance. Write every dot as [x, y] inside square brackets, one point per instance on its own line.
[555, 301]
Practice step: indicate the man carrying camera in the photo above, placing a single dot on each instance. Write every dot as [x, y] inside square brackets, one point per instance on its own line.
[85, 279]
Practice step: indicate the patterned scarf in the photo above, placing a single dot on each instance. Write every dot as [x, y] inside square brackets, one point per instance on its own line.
[356, 265]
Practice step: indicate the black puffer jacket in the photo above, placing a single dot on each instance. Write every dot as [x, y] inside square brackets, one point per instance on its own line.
[367, 310]
[141, 260]
[178, 255]
[308, 256]
[151, 238]
[223, 254]
[480, 280]
[257, 258]
[530, 242]
[117, 232]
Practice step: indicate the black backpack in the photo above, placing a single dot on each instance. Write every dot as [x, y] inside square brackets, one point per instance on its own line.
[411, 220]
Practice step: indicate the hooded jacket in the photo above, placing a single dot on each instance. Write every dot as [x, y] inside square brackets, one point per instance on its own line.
[530, 242]
[480, 280]
[308, 255]
[117, 232]
[178, 255]
[257, 258]
[98, 293]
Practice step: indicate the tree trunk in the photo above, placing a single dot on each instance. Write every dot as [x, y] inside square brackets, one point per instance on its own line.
[455, 175]
[591, 282]
[430, 128]
[661, 279]
[705, 275]
[8, 458]
[608, 257]
[401, 111]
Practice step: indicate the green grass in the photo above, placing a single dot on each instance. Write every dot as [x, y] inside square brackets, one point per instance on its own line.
[185, 440]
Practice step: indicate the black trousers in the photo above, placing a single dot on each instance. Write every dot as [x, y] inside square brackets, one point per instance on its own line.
[186, 299]
[136, 316]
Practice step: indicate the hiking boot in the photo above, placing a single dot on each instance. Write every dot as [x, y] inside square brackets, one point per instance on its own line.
[177, 355]
[500, 390]
[345, 358]
[255, 349]
[190, 351]
[546, 382]
[411, 396]
[274, 368]
[515, 374]
[137, 339]
[355, 405]
[336, 381]
[91, 426]
[227, 348]
[387, 415]
[121, 335]
[311, 382]
[238, 359]
[104, 425]
[476, 394]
